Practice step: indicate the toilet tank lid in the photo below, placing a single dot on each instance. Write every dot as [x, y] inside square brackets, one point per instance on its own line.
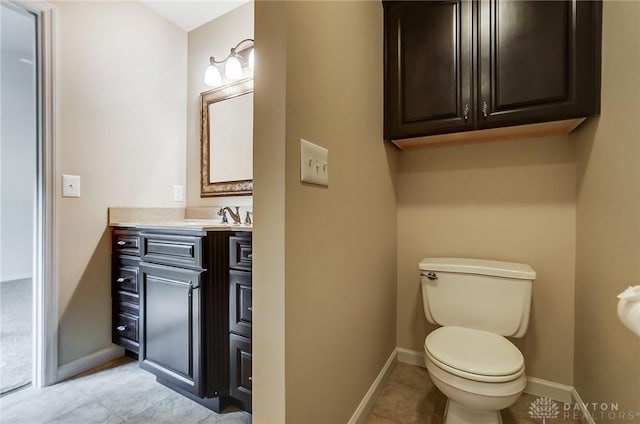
[478, 266]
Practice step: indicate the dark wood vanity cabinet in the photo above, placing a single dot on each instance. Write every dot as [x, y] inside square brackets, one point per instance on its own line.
[184, 311]
[240, 319]
[454, 66]
[173, 296]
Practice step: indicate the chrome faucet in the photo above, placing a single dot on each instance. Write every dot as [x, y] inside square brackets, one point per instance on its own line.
[223, 214]
[234, 215]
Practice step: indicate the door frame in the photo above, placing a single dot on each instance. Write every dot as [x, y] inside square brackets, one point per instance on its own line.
[45, 281]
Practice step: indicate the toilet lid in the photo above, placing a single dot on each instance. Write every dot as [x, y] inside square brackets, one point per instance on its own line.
[474, 351]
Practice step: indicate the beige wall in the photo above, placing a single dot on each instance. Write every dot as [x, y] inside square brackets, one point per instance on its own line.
[607, 357]
[269, 224]
[214, 38]
[340, 242]
[511, 201]
[122, 113]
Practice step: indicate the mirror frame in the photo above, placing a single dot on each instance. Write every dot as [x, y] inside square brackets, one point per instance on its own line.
[225, 188]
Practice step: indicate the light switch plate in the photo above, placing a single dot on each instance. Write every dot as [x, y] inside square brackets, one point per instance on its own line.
[70, 186]
[178, 193]
[314, 163]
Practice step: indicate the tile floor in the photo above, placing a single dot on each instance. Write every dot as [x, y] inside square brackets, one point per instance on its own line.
[409, 397]
[118, 392]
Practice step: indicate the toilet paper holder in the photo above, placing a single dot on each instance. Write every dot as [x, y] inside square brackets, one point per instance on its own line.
[629, 308]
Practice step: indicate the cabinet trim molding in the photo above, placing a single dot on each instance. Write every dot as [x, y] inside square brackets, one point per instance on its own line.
[492, 134]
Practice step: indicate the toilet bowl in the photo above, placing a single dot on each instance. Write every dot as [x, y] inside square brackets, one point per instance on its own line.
[479, 372]
[477, 302]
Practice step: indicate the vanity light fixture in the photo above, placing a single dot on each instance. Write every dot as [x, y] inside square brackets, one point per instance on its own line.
[235, 61]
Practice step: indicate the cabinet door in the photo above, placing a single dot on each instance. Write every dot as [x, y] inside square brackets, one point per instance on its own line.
[428, 68]
[170, 317]
[537, 61]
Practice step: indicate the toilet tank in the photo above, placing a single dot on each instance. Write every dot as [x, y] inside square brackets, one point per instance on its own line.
[476, 293]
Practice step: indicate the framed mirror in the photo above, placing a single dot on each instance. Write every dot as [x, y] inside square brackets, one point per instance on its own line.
[227, 140]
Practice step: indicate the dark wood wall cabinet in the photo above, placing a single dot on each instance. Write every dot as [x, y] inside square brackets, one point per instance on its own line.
[472, 70]
[174, 292]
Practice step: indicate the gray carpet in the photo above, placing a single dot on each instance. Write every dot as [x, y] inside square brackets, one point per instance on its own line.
[15, 333]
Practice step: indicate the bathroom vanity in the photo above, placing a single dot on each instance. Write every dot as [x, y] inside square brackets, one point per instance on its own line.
[181, 297]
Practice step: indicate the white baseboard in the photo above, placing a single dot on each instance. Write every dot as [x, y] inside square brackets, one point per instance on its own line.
[585, 415]
[544, 388]
[90, 361]
[412, 357]
[363, 409]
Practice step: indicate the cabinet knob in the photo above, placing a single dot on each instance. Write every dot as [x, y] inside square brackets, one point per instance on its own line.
[121, 243]
[121, 280]
[249, 308]
[466, 112]
[485, 110]
[250, 378]
[121, 328]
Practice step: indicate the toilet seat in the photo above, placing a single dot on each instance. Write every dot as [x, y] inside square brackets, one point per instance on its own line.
[474, 354]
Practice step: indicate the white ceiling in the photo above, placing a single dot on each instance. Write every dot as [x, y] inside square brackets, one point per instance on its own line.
[190, 14]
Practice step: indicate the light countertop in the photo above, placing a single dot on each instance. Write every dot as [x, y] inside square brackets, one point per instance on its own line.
[185, 224]
[171, 218]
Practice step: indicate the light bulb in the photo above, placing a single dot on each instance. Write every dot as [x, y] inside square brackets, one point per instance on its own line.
[212, 76]
[233, 69]
[251, 59]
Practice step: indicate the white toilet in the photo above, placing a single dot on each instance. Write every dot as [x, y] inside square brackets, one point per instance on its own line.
[477, 303]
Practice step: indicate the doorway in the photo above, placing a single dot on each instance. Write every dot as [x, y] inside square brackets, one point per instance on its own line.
[19, 147]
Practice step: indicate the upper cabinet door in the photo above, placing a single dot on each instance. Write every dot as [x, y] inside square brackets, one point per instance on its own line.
[539, 61]
[428, 68]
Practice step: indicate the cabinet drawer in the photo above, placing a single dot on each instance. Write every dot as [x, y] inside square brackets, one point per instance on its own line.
[169, 249]
[126, 302]
[240, 311]
[240, 252]
[240, 378]
[125, 276]
[126, 242]
[126, 325]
